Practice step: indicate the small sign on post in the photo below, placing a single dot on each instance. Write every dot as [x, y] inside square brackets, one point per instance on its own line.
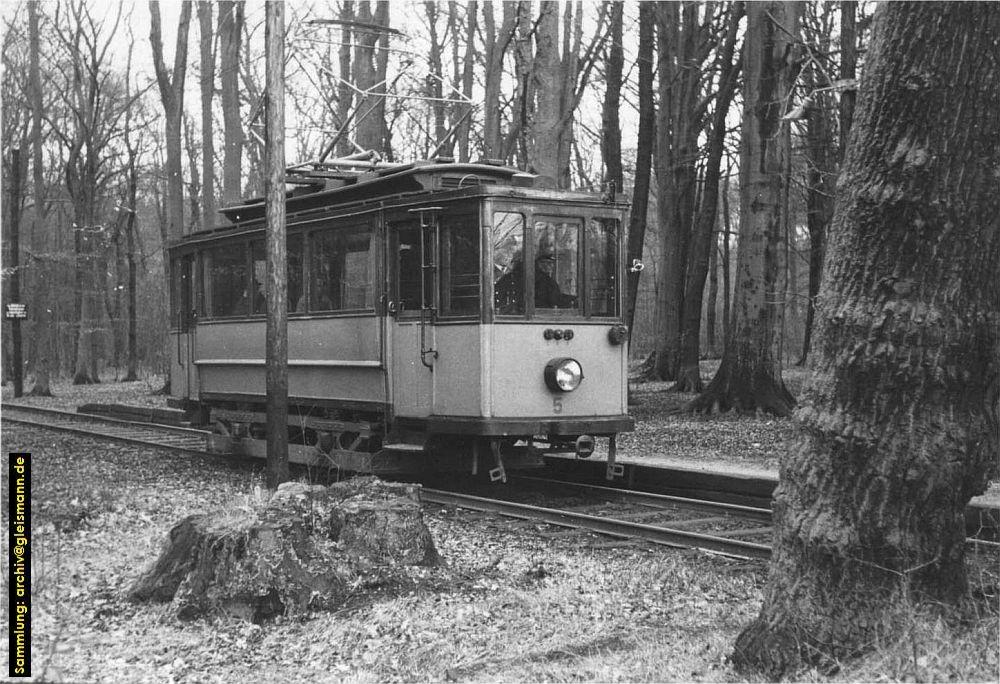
[16, 311]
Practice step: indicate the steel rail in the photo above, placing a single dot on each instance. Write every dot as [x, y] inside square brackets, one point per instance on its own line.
[593, 523]
[659, 500]
[189, 440]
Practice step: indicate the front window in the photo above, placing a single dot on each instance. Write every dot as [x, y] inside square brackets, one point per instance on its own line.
[602, 267]
[341, 276]
[557, 263]
[508, 263]
[572, 265]
[226, 280]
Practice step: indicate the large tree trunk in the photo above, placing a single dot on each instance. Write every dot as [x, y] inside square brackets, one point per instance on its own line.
[230, 32]
[749, 377]
[549, 76]
[899, 424]
[670, 290]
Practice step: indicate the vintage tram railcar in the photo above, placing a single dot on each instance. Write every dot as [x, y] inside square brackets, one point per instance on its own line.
[419, 335]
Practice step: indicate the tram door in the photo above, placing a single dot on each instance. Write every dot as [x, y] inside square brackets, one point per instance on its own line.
[182, 371]
[411, 307]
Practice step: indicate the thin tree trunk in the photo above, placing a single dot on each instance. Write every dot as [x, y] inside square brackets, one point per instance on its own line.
[611, 133]
[230, 34]
[277, 277]
[172, 94]
[727, 288]
[899, 427]
[40, 314]
[468, 78]
[207, 83]
[345, 96]
[689, 375]
[713, 295]
[643, 160]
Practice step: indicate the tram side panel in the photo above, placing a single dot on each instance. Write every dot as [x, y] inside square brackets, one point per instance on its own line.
[330, 360]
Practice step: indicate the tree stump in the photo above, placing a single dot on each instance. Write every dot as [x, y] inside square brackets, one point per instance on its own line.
[310, 547]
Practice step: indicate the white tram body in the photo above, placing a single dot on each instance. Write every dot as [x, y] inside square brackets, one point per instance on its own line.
[419, 335]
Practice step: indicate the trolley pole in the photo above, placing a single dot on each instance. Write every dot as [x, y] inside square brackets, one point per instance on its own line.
[277, 269]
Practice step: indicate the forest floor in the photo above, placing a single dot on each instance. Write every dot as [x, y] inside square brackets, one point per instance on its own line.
[512, 601]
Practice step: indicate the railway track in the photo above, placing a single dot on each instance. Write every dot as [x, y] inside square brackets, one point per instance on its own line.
[689, 523]
[195, 441]
[187, 440]
[715, 526]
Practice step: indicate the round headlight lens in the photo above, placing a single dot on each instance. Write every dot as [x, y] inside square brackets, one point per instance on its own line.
[563, 375]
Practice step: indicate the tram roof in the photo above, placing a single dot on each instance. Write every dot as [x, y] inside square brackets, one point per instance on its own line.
[385, 182]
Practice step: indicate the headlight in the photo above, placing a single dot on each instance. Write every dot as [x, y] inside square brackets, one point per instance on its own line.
[563, 375]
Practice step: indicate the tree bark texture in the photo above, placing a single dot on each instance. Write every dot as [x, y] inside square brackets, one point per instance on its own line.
[309, 547]
[230, 33]
[276, 332]
[670, 290]
[749, 377]
[899, 424]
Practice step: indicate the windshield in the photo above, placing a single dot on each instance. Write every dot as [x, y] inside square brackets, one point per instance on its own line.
[572, 265]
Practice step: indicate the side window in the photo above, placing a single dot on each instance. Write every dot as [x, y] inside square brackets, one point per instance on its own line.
[556, 268]
[182, 292]
[226, 280]
[602, 270]
[508, 263]
[296, 293]
[258, 277]
[341, 270]
[460, 265]
[409, 266]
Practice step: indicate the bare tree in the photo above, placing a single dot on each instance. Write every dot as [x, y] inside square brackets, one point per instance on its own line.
[749, 377]
[496, 45]
[643, 158]
[230, 33]
[172, 95]
[899, 425]
[40, 312]
[611, 133]
[207, 82]
[94, 101]
[371, 57]
[700, 243]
